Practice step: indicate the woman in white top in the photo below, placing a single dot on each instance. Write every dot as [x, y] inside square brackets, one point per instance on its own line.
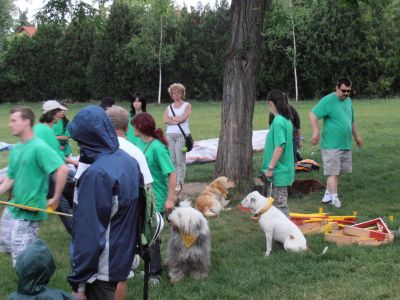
[175, 137]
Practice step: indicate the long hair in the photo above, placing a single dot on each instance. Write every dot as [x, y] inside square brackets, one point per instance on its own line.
[281, 103]
[145, 123]
[142, 99]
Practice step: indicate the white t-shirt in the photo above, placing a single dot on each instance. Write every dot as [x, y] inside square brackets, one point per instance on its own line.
[134, 152]
[137, 154]
[178, 112]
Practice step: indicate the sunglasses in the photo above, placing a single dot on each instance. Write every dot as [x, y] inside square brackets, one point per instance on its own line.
[345, 91]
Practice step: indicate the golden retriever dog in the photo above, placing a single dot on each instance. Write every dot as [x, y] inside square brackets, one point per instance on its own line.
[212, 200]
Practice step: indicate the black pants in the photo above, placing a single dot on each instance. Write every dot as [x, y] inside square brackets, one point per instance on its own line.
[100, 290]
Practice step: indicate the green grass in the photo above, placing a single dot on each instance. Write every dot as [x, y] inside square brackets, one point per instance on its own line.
[239, 270]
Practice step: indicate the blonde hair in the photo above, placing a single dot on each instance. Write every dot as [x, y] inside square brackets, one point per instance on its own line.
[179, 87]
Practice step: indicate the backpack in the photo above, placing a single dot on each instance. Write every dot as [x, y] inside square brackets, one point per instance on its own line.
[153, 222]
[306, 165]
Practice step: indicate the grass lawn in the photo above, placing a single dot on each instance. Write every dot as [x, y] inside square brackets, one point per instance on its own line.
[238, 269]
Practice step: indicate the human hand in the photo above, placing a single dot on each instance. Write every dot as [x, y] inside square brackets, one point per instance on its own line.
[315, 138]
[169, 205]
[79, 295]
[53, 203]
[269, 173]
[359, 142]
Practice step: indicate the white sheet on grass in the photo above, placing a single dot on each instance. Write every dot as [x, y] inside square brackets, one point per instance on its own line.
[206, 150]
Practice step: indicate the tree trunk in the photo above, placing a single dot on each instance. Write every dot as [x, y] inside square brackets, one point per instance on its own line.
[294, 52]
[160, 61]
[235, 151]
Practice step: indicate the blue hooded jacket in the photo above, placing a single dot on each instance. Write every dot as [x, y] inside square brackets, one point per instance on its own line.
[105, 233]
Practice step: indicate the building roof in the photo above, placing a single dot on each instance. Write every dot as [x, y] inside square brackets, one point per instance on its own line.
[29, 30]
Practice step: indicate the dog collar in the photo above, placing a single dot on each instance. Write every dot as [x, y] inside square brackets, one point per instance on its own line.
[266, 207]
[188, 240]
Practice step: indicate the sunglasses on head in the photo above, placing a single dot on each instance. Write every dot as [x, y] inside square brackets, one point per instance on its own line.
[345, 91]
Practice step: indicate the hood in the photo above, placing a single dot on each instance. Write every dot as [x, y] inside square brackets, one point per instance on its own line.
[35, 266]
[94, 132]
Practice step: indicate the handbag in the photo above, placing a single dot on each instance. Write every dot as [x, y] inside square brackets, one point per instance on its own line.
[188, 138]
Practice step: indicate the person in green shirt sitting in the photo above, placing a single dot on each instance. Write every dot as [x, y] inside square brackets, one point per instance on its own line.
[337, 112]
[278, 164]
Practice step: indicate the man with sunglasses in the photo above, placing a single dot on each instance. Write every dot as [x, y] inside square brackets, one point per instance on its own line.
[337, 113]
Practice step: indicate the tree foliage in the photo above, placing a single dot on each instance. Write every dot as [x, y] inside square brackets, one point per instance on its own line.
[82, 53]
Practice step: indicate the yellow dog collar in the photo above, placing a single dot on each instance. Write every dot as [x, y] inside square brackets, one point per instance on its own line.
[266, 207]
[188, 240]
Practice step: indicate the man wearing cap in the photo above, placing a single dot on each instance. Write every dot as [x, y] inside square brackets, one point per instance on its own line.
[30, 163]
[52, 112]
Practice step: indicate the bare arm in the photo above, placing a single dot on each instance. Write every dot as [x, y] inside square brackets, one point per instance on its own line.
[6, 185]
[276, 155]
[167, 119]
[74, 162]
[314, 125]
[169, 205]
[356, 135]
[62, 137]
[185, 115]
[61, 178]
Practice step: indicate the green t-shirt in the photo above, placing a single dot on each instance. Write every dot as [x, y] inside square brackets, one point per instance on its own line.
[47, 134]
[160, 165]
[280, 134]
[338, 119]
[59, 130]
[30, 164]
[130, 135]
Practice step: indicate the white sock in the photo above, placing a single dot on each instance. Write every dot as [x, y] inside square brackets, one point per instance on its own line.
[334, 195]
[327, 193]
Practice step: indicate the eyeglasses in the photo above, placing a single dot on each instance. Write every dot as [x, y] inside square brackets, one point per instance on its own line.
[345, 91]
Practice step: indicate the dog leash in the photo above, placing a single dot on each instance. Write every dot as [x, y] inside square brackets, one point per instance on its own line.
[30, 208]
[267, 183]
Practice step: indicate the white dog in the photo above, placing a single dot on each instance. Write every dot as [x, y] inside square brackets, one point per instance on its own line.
[275, 224]
[189, 244]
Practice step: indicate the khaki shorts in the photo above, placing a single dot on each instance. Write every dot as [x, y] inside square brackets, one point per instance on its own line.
[336, 162]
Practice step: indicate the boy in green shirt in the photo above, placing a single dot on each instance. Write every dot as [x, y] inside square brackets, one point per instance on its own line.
[337, 112]
[30, 163]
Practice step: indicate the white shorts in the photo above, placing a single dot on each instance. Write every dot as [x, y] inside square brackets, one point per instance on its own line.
[336, 162]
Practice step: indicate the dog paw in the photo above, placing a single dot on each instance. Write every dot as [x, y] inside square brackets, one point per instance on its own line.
[267, 253]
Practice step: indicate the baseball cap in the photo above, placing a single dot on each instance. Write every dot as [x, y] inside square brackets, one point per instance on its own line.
[51, 105]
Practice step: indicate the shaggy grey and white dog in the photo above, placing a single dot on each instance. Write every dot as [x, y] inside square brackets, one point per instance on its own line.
[189, 245]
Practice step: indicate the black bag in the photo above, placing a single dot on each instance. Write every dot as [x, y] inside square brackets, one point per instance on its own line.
[188, 138]
[189, 142]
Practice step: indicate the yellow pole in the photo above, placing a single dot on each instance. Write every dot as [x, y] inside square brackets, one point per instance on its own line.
[48, 211]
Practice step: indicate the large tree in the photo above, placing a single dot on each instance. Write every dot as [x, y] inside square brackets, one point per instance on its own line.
[235, 151]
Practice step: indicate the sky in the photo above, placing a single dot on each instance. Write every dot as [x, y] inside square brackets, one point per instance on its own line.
[34, 5]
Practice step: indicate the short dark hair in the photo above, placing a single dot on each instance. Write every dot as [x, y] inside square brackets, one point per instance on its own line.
[345, 81]
[107, 102]
[26, 113]
[49, 116]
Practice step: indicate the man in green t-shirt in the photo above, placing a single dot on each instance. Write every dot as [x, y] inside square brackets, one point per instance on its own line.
[337, 112]
[30, 163]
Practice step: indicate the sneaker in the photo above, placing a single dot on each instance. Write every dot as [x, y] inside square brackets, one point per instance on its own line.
[327, 198]
[336, 202]
[154, 280]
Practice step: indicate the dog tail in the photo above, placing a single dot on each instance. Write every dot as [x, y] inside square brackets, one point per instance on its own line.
[185, 203]
[325, 250]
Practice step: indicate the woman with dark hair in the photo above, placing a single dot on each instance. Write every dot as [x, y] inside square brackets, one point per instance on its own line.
[53, 111]
[278, 164]
[155, 148]
[297, 132]
[138, 105]
[62, 134]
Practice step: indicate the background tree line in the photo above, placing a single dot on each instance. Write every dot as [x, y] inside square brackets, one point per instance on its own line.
[80, 52]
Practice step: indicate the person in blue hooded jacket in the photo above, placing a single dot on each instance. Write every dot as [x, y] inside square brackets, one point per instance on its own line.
[106, 208]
